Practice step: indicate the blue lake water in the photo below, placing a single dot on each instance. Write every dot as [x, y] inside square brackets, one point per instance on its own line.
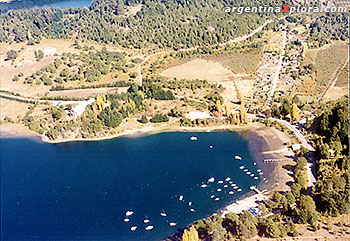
[81, 190]
[66, 4]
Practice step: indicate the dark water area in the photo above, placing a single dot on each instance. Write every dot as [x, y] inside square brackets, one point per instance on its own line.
[82, 190]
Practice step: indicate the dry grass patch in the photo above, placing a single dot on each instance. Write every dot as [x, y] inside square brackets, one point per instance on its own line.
[327, 63]
[240, 62]
[199, 69]
[88, 92]
[12, 109]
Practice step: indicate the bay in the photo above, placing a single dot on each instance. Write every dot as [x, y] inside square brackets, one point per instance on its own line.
[82, 190]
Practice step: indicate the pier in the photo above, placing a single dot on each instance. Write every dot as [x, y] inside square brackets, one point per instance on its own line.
[275, 160]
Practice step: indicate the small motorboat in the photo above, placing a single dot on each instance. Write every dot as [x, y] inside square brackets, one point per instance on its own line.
[193, 138]
[238, 157]
[129, 213]
[212, 179]
[133, 228]
[150, 227]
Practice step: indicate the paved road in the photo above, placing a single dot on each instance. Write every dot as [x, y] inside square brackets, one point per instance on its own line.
[277, 74]
[310, 168]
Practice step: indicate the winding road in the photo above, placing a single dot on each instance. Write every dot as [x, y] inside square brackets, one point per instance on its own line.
[238, 39]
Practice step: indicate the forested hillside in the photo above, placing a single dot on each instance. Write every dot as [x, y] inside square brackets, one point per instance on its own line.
[170, 24]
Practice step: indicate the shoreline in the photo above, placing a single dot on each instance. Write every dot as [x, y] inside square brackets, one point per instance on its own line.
[10, 130]
[276, 175]
[260, 138]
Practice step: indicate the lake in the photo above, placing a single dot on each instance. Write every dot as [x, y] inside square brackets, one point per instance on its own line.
[24, 4]
[82, 190]
[66, 4]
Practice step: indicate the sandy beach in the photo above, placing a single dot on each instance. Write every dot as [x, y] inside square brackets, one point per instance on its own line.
[265, 143]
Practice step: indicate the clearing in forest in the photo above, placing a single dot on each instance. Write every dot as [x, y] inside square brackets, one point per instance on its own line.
[199, 69]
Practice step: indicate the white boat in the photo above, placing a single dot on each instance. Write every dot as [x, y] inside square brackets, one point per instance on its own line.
[172, 224]
[129, 213]
[133, 228]
[231, 192]
[227, 179]
[204, 185]
[248, 173]
[163, 214]
[193, 138]
[189, 203]
[211, 147]
[256, 178]
[150, 227]
[212, 179]
[261, 173]
[220, 182]
[241, 167]
[219, 189]
[254, 163]
[238, 158]
[146, 220]
[192, 210]
[181, 197]
[239, 190]
[217, 199]
[212, 196]
[225, 186]
[259, 170]
[126, 220]
[252, 175]
[235, 187]
[230, 182]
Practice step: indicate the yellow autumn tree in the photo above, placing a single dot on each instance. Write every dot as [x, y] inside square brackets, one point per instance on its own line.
[294, 113]
[190, 235]
[244, 115]
[227, 110]
[218, 106]
[29, 35]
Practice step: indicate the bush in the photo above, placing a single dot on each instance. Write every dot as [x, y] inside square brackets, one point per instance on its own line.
[143, 119]
[159, 118]
[12, 54]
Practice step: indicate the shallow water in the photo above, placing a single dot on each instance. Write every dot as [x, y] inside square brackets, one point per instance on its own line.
[81, 190]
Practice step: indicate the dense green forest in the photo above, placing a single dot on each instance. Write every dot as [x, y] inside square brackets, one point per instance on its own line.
[171, 24]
